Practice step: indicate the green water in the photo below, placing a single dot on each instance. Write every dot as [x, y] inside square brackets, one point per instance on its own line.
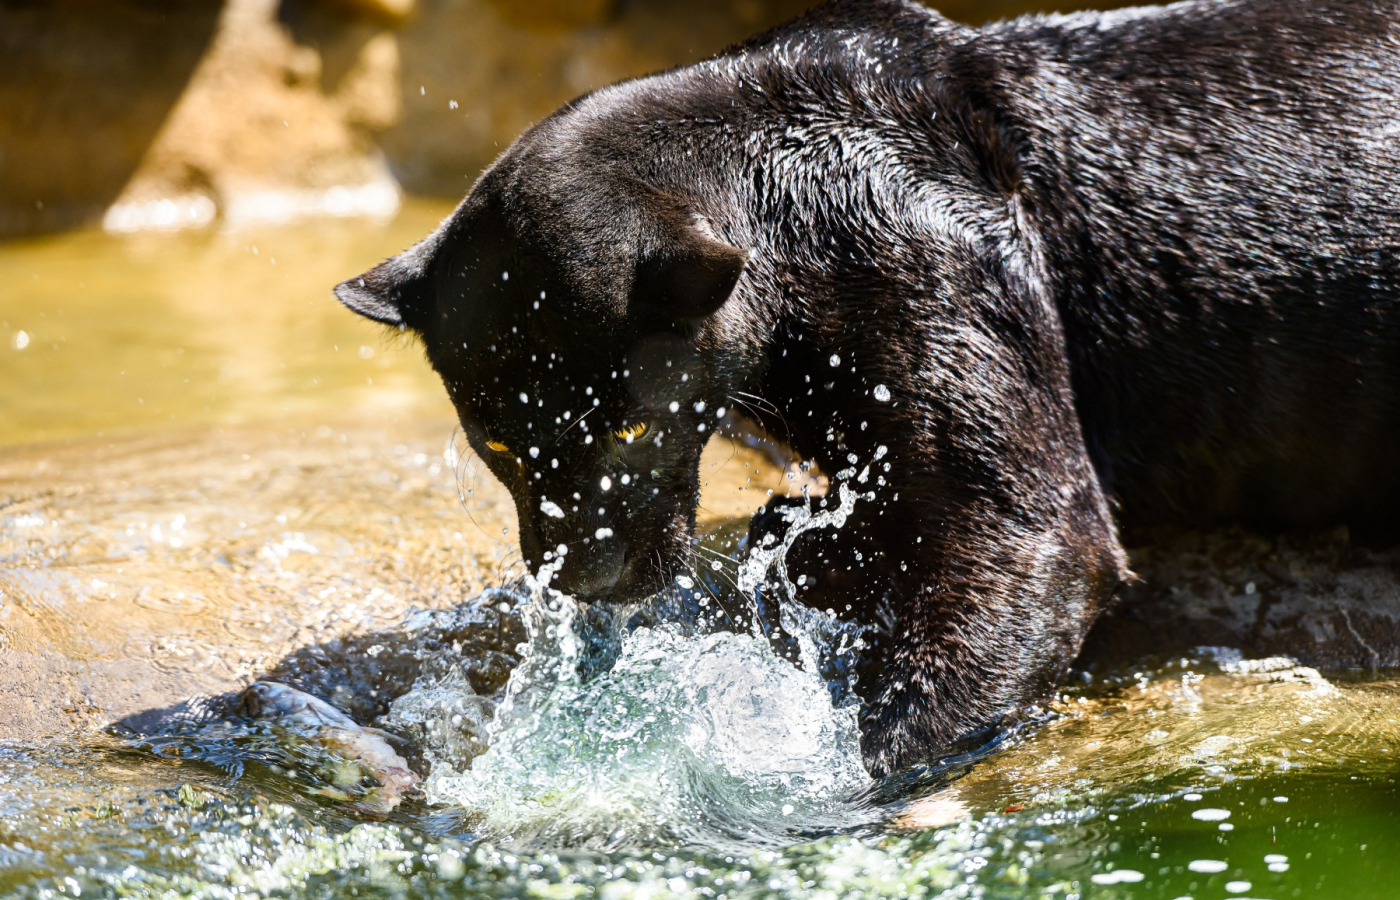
[109, 822]
[211, 468]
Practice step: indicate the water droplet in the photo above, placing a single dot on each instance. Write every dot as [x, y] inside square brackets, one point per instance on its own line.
[21, 340]
[882, 393]
[835, 360]
[605, 483]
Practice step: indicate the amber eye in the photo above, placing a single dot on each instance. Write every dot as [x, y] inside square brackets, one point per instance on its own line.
[630, 433]
[498, 446]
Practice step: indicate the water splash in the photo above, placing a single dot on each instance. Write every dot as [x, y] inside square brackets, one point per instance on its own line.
[685, 735]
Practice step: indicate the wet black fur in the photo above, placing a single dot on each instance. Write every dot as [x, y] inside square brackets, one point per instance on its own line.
[1141, 264]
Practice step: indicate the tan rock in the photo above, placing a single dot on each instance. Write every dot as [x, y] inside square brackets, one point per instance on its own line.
[190, 115]
[184, 115]
[478, 72]
[260, 134]
[387, 10]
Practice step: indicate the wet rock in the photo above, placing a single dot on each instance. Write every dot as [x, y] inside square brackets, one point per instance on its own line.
[1320, 599]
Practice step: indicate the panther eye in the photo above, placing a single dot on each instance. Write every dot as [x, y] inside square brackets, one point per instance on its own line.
[498, 446]
[630, 433]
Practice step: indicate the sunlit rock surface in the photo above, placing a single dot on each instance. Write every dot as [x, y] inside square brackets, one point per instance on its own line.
[166, 116]
[163, 116]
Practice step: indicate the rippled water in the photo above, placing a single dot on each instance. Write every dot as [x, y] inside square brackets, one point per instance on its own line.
[1202, 779]
[295, 523]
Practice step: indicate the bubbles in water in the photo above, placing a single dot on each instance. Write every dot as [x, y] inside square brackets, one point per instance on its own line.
[444, 717]
[655, 729]
[686, 740]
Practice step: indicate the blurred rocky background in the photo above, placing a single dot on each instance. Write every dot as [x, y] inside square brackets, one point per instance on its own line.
[167, 114]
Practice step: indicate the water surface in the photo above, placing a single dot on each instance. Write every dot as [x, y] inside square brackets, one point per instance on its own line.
[213, 474]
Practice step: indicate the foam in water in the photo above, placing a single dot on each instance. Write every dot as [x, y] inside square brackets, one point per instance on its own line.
[692, 736]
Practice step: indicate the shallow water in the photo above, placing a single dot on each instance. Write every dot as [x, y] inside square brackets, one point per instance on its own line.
[241, 479]
[1143, 789]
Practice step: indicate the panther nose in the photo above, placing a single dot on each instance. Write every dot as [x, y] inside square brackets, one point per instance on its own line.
[588, 585]
[589, 576]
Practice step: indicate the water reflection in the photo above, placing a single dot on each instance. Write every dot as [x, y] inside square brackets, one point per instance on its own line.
[100, 334]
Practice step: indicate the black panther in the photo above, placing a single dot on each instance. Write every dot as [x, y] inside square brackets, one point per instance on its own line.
[1074, 274]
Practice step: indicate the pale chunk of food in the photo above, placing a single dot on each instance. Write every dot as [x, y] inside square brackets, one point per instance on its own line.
[358, 764]
[935, 811]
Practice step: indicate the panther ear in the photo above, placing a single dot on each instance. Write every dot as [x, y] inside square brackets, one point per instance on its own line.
[685, 275]
[395, 292]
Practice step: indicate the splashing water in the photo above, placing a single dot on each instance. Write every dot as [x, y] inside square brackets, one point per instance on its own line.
[692, 736]
[1101, 801]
